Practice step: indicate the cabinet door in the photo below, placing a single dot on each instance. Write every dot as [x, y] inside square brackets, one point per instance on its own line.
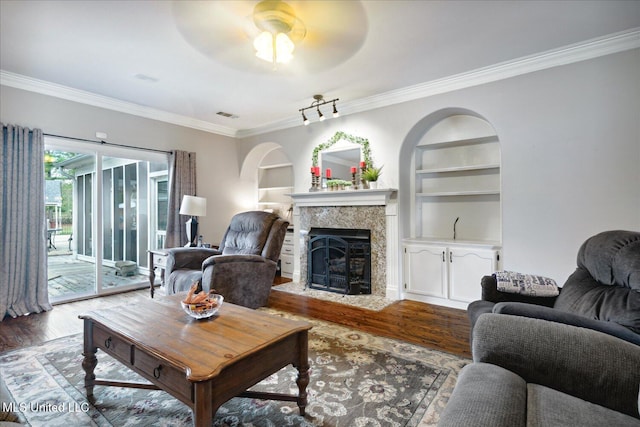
[466, 268]
[425, 270]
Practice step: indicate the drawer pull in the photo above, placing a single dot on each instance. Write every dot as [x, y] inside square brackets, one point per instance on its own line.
[156, 372]
[107, 343]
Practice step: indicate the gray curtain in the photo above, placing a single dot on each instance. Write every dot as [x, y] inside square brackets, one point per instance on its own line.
[23, 250]
[182, 180]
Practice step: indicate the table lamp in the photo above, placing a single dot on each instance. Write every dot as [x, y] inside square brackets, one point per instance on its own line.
[194, 207]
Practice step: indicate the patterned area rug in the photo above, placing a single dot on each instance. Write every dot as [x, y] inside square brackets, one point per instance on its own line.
[370, 302]
[357, 379]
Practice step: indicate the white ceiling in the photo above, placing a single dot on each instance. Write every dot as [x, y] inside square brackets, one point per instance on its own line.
[196, 58]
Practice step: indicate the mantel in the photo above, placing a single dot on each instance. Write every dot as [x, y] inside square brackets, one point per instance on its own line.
[377, 197]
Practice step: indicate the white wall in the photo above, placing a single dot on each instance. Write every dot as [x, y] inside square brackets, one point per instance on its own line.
[570, 141]
[570, 152]
[217, 161]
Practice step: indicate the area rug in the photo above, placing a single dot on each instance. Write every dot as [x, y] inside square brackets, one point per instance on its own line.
[370, 302]
[357, 379]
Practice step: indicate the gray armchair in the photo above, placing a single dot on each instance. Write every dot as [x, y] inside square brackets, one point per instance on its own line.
[602, 294]
[242, 269]
[573, 359]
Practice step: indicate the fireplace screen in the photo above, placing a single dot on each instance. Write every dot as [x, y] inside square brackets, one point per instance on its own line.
[339, 260]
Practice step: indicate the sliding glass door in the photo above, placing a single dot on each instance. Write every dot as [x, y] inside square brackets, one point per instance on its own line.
[111, 212]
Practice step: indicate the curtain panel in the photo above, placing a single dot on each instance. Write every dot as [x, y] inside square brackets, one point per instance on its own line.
[182, 181]
[23, 250]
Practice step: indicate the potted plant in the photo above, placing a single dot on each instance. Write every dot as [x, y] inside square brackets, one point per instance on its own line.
[371, 175]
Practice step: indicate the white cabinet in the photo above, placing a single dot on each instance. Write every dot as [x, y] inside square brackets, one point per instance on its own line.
[286, 255]
[425, 270]
[446, 273]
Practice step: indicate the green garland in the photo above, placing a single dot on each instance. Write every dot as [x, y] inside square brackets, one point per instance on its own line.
[366, 151]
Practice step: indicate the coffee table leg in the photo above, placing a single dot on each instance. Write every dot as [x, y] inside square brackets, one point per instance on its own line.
[203, 408]
[90, 360]
[303, 370]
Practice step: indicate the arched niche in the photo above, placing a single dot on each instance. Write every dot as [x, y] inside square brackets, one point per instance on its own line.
[270, 168]
[450, 174]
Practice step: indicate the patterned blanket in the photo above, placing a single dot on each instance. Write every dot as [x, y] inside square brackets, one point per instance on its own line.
[526, 284]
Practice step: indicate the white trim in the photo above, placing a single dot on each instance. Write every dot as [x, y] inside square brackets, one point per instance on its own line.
[83, 97]
[589, 49]
[379, 197]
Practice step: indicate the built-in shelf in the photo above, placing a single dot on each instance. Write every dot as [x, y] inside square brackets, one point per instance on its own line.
[286, 188]
[457, 175]
[486, 166]
[458, 193]
[275, 181]
[458, 142]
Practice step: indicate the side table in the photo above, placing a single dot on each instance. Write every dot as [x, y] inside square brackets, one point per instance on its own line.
[157, 259]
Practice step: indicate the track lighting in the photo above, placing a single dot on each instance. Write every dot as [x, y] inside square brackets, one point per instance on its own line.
[317, 103]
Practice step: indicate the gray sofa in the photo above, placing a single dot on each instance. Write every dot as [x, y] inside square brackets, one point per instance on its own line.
[570, 360]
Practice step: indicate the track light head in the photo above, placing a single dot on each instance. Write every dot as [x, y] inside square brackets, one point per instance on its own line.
[317, 103]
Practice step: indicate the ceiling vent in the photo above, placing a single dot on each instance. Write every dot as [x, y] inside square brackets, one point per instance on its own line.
[228, 115]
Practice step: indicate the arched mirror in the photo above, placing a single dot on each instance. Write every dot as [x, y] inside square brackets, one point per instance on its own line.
[341, 153]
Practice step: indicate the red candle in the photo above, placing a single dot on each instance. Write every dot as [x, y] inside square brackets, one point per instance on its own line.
[363, 165]
[313, 169]
[328, 173]
[353, 169]
[317, 170]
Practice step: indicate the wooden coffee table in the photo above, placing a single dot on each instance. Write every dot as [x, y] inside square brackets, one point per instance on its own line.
[203, 363]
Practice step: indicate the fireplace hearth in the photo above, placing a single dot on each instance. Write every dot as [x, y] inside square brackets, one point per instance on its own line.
[339, 260]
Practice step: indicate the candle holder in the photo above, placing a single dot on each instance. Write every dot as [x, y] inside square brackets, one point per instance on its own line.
[315, 181]
[353, 181]
[363, 183]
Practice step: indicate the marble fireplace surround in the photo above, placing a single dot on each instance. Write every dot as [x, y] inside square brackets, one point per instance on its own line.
[375, 210]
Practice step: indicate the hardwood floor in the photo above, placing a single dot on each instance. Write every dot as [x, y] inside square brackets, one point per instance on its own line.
[435, 327]
[431, 326]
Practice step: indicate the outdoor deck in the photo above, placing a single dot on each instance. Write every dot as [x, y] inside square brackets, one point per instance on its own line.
[71, 278]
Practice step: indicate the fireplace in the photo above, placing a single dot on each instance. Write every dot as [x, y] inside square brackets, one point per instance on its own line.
[372, 210]
[339, 260]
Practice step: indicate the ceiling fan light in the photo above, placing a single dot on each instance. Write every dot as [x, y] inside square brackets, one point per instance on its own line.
[284, 48]
[263, 44]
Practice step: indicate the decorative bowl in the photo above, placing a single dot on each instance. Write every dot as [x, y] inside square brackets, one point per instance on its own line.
[205, 309]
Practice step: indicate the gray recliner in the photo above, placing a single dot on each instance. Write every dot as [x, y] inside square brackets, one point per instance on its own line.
[568, 360]
[242, 269]
[603, 293]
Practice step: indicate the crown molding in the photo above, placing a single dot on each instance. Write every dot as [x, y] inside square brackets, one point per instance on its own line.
[583, 51]
[590, 49]
[19, 81]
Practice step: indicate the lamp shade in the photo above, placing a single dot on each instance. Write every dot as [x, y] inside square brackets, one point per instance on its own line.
[193, 206]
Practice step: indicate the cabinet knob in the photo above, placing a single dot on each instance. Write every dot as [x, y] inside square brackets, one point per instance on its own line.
[107, 343]
[156, 371]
